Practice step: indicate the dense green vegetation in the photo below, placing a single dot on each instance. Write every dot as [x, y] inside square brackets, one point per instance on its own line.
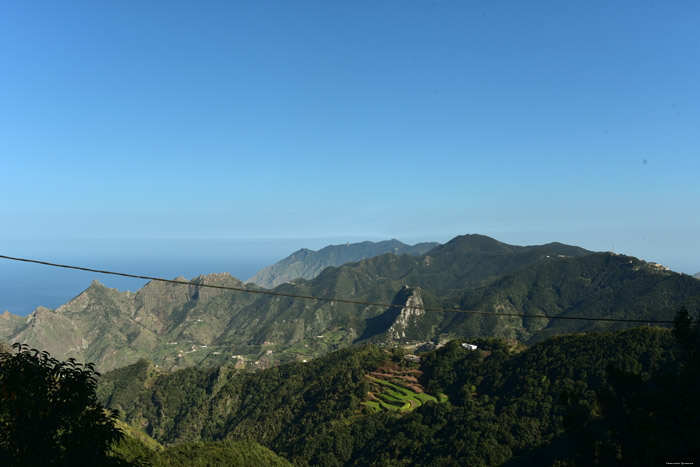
[209, 454]
[281, 406]
[49, 413]
[618, 398]
[503, 404]
[644, 419]
[600, 285]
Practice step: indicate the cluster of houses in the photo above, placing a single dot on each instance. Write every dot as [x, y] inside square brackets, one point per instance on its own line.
[660, 266]
[416, 358]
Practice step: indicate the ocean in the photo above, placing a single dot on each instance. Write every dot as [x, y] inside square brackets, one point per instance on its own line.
[25, 286]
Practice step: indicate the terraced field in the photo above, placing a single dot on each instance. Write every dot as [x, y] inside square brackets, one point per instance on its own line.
[396, 389]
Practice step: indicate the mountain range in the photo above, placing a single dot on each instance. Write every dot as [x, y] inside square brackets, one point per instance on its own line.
[307, 264]
[178, 326]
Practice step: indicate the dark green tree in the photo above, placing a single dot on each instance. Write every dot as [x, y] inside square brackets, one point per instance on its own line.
[49, 412]
[687, 334]
[641, 418]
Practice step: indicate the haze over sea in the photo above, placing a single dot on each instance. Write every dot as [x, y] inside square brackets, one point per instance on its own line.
[25, 286]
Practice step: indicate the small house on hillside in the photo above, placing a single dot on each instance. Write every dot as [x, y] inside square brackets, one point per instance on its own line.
[412, 358]
[469, 346]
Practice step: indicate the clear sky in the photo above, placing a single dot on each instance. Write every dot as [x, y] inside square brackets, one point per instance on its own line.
[530, 122]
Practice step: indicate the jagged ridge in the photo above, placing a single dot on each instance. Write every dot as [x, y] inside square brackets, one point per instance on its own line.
[177, 326]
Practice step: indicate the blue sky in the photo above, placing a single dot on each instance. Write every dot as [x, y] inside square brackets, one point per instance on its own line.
[526, 121]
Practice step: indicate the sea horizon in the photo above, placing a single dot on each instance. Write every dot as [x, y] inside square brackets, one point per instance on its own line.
[27, 286]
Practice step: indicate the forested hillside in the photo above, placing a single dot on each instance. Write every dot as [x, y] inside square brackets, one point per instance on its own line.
[498, 404]
[199, 454]
[600, 285]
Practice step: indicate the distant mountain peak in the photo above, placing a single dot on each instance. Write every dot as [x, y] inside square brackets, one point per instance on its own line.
[214, 277]
[475, 242]
[307, 264]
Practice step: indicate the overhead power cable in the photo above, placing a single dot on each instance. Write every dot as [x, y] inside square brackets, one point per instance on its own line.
[338, 300]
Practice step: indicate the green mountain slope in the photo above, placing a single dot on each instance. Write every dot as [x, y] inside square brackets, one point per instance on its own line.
[177, 326]
[600, 285]
[307, 264]
[248, 406]
[503, 403]
[137, 448]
